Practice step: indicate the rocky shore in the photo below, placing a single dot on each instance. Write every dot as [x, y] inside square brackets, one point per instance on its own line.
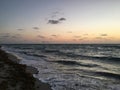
[14, 76]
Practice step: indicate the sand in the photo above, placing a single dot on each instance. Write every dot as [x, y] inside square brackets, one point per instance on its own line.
[15, 76]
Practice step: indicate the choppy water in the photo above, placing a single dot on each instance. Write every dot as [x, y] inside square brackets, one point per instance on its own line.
[73, 67]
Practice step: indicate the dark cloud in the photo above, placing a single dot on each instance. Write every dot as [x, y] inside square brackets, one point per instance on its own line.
[56, 18]
[62, 19]
[20, 29]
[36, 28]
[104, 35]
[56, 21]
[41, 36]
[53, 22]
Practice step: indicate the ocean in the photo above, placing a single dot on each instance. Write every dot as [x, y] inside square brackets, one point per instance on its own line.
[72, 66]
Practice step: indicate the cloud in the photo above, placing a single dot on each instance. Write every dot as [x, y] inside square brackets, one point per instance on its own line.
[56, 17]
[69, 32]
[36, 28]
[4, 35]
[45, 42]
[16, 36]
[74, 39]
[20, 29]
[62, 19]
[85, 34]
[99, 37]
[81, 39]
[56, 12]
[53, 22]
[54, 35]
[56, 21]
[50, 38]
[10, 36]
[103, 35]
[41, 36]
[77, 36]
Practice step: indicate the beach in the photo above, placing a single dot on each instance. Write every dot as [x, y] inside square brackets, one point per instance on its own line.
[15, 76]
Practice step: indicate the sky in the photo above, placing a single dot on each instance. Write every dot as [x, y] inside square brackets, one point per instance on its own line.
[60, 21]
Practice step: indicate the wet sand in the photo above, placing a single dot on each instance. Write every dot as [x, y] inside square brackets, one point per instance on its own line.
[14, 76]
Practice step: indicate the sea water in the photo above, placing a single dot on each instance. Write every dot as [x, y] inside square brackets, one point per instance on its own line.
[72, 66]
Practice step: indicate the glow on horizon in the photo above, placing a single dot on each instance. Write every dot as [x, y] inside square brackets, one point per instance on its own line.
[60, 21]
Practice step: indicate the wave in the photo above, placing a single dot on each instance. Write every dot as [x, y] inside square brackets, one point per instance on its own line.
[114, 59]
[112, 46]
[108, 74]
[51, 51]
[67, 62]
[109, 58]
[38, 55]
[32, 54]
[75, 63]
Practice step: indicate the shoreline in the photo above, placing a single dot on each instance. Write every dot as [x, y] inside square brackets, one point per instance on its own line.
[15, 76]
